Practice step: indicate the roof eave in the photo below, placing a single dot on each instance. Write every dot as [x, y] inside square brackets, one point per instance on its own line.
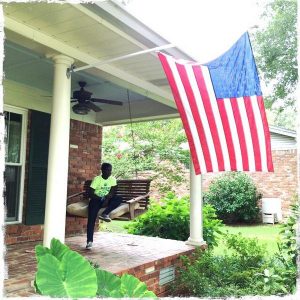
[118, 15]
[283, 131]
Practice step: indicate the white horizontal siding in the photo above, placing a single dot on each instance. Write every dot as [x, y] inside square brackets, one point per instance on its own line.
[282, 142]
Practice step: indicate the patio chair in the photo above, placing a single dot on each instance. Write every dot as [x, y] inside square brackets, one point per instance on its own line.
[135, 198]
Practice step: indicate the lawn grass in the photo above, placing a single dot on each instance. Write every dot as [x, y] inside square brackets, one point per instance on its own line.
[114, 226]
[265, 234]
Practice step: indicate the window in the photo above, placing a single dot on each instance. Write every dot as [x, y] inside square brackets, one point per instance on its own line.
[15, 134]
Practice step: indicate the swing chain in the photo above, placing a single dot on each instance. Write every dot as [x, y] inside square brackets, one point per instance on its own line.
[132, 135]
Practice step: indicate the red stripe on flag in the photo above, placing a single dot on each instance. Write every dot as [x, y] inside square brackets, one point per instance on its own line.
[181, 110]
[240, 131]
[227, 133]
[254, 134]
[198, 122]
[210, 116]
[267, 133]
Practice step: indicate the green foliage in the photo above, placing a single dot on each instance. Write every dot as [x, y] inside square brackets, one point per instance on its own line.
[59, 270]
[154, 146]
[245, 269]
[170, 219]
[62, 272]
[128, 286]
[107, 282]
[234, 196]
[206, 275]
[280, 276]
[276, 53]
[131, 287]
[287, 246]
[247, 250]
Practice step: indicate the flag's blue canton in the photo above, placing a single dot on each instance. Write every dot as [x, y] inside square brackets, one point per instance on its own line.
[234, 73]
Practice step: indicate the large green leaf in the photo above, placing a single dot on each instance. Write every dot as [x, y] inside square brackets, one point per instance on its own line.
[40, 251]
[73, 276]
[58, 249]
[107, 282]
[133, 288]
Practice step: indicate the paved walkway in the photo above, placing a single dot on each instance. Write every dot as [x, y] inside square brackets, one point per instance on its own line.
[113, 252]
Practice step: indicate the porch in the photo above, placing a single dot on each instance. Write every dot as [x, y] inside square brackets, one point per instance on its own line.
[143, 257]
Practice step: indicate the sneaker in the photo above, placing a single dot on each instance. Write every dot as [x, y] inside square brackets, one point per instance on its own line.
[89, 246]
[105, 218]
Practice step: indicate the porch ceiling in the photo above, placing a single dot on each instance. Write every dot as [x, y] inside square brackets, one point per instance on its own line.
[89, 33]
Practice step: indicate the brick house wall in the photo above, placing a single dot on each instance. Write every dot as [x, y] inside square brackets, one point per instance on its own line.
[283, 182]
[84, 163]
[85, 153]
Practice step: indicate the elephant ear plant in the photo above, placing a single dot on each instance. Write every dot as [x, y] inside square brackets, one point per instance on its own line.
[64, 273]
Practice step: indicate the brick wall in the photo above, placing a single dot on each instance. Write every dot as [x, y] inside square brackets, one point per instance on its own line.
[84, 163]
[149, 273]
[18, 233]
[85, 154]
[283, 182]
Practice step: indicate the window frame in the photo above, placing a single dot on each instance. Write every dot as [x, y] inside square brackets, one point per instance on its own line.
[22, 164]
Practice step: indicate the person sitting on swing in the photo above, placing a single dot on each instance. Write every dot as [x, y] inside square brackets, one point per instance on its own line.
[102, 194]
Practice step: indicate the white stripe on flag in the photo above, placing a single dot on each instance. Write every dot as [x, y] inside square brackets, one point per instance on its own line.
[203, 116]
[217, 117]
[189, 114]
[247, 132]
[260, 133]
[234, 134]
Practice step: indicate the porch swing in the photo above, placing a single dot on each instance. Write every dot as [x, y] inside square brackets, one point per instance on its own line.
[134, 192]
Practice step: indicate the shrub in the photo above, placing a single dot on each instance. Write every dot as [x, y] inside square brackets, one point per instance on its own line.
[234, 196]
[245, 269]
[247, 250]
[280, 275]
[207, 275]
[171, 220]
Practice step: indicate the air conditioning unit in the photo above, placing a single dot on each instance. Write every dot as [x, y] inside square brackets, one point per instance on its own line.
[271, 210]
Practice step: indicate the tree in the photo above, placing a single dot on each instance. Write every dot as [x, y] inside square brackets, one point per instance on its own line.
[276, 55]
[154, 145]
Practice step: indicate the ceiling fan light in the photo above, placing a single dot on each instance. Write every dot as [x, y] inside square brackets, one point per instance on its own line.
[80, 109]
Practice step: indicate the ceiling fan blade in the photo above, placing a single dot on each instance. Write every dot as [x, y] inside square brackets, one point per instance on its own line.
[113, 102]
[92, 106]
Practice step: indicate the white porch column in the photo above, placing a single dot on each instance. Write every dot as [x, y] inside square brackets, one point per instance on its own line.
[196, 219]
[58, 159]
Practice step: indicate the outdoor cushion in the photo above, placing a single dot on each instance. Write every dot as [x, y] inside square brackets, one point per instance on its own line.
[81, 209]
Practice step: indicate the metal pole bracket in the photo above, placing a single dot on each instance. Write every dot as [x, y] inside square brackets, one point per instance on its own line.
[70, 70]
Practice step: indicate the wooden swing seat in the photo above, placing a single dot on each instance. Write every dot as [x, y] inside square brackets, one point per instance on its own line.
[135, 199]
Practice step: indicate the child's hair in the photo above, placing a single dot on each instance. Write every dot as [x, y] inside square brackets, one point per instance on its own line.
[105, 166]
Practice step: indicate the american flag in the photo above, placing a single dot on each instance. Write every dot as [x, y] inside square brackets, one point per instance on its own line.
[222, 110]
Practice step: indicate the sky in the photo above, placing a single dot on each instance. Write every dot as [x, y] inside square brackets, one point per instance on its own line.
[203, 28]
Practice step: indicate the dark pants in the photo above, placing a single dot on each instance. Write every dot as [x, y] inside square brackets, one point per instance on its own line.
[94, 205]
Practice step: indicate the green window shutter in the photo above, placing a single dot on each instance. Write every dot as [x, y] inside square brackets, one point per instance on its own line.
[38, 165]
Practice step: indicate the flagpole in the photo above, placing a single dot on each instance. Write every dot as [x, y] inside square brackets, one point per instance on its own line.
[196, 215]
[97, 64]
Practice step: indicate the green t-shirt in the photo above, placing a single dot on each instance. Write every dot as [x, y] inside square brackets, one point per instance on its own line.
[102, 186]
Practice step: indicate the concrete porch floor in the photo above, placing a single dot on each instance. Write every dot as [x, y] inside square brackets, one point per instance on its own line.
[140, 256]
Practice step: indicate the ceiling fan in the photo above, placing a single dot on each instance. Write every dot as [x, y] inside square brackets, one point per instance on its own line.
[86, 102]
